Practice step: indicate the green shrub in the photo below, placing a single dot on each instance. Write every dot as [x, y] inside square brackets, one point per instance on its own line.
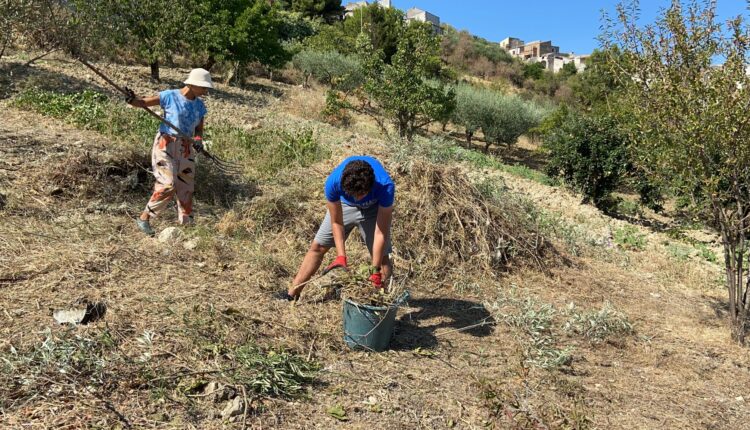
[589, 153]
[269, 151]
[502, 118]
[630, 238]
[598, 326]
[272, 373]
[340, 71]
[507, 118]
[470, 104]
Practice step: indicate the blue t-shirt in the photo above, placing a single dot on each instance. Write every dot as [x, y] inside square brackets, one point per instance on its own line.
[185, 114]
[382, 193]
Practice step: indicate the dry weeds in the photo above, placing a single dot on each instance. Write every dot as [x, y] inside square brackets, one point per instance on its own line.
[176, 317]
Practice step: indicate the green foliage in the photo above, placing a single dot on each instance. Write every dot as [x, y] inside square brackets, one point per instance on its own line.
[597, 85]
[383, 26]
[588, 152]
[269, 152]
[405, 92]
[342, 72]
[567, 70]
[689, 121]
[272, 373]
[630, 238]
[241, 31]
[471, 103]
[502, 118]
[90, 110]
[318, 8]
[473, 54]
[332, 38]
[441, 151]
[507, 117]
[598, 326]
[533, 70]
[535, 320]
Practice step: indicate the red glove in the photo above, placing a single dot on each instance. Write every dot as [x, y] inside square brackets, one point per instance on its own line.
[377, 280]
[340, 261]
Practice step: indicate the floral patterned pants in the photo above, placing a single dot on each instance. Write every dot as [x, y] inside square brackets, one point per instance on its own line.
[173, 163]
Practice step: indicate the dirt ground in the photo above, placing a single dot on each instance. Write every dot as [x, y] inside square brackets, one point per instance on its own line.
[59, 246]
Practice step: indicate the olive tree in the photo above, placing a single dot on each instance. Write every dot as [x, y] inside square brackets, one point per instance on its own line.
[689, 120]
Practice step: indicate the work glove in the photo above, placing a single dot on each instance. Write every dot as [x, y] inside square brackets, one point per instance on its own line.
[198, 143]
[130, 95]
[377, 280]
[340, 261]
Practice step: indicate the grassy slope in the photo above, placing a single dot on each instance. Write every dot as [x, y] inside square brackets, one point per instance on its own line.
[679, 369]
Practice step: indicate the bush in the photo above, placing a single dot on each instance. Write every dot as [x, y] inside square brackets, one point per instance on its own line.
[502, 118]
[598, 326]
[341, 72]
[630, 238]
[269, 151]
[507, 118]
[589, 153]
[470, 105]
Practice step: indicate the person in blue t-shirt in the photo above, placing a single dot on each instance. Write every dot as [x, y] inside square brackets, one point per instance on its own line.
[359, 193]
[172, 157]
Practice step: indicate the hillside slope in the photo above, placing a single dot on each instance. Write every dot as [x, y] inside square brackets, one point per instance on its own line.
[503, 347]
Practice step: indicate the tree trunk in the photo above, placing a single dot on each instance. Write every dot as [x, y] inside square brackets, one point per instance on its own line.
[155, 71]
[469, 135]
[209, 63]
[487, 147]
[6, 42]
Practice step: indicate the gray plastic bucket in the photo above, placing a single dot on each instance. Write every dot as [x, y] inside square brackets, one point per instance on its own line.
[370, 327]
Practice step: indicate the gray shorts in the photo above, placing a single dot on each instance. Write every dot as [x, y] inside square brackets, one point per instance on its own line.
[363, 219]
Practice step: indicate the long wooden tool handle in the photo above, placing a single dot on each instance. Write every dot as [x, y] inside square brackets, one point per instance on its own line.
[127, 94]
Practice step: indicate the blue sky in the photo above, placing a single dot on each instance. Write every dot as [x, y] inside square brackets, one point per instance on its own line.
[572, 25]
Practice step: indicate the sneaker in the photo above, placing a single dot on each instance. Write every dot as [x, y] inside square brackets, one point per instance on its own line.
[284, 295]
[145, 227]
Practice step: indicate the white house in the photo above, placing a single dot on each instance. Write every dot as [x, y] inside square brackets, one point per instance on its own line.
[351, 7]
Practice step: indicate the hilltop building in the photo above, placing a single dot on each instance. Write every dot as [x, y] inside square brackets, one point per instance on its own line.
[416, 14]
[511, 43]
[413, 14]
[536, 48]
[542, 52]
[352, 6]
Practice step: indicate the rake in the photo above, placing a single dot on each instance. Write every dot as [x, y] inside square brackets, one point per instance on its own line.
[223, 165]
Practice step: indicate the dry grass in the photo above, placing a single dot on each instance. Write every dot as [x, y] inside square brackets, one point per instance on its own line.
[178, 319]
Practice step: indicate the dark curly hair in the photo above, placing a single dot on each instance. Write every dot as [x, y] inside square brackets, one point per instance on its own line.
[357, 178]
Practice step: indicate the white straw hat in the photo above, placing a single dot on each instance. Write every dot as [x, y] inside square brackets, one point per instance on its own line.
[200, 78]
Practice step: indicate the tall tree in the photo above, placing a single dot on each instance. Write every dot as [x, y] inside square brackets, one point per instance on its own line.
[313, 8]
[407, 92]
[690, 126]
[382, 25]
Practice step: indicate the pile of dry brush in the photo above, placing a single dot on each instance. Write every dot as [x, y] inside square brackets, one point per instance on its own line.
[447, 225]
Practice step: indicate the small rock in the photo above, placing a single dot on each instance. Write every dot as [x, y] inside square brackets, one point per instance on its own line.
[234, 408]
[190, 244]
[170, 234]
[739, 399]
[655, 295]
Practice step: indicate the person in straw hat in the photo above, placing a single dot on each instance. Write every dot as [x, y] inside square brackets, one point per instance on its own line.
[173, 158]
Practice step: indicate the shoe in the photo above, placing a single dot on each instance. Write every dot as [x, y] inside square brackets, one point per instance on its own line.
[145, 227]
[284, 295]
